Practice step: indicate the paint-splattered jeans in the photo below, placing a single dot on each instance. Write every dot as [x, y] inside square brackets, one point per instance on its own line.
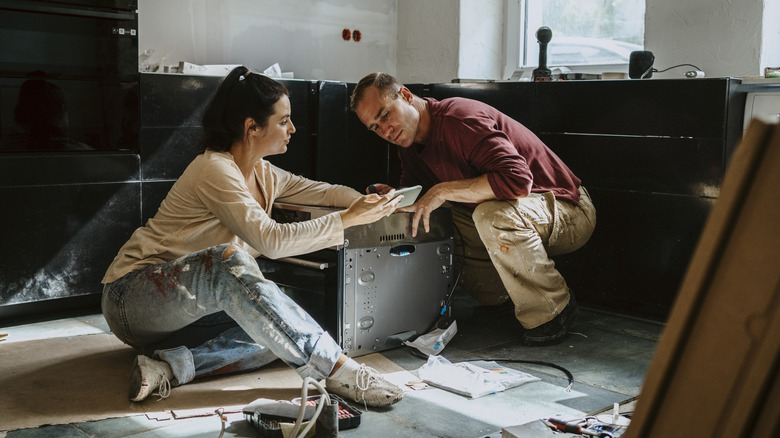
[206, 316]
[508, 245]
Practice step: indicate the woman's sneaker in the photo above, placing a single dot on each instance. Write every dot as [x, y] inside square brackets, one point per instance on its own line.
[148, 376]
[552, 332]
[363, 384]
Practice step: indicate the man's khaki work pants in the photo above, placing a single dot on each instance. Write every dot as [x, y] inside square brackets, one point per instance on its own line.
[508, 245]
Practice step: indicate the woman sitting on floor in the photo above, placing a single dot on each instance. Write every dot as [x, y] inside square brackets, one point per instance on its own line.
[186, 289]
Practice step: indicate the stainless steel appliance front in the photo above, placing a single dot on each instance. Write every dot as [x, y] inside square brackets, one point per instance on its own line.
[378, 289]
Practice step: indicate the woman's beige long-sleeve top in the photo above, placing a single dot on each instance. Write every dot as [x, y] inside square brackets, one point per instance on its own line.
[210, 204]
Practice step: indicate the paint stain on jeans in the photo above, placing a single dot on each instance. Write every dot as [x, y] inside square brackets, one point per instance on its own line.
[164, 280]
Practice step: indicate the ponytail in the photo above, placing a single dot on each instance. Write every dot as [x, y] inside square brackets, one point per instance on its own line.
[241, 94]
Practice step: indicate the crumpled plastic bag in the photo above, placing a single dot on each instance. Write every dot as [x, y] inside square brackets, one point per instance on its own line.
[433, 342]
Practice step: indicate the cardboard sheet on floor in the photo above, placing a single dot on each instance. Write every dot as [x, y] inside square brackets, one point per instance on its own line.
[85, 378]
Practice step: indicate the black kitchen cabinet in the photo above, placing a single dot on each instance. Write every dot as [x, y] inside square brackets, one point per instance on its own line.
[652, 153]
[64, 218]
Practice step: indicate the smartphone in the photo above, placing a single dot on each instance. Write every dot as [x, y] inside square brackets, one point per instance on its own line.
[410, 195]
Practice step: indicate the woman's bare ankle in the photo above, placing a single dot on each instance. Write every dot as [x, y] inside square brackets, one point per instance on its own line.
[343, 358]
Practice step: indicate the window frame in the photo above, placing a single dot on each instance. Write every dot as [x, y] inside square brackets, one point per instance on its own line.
[519, 58]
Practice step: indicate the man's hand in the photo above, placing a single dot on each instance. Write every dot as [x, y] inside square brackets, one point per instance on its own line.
[467, 191]
[422, 209]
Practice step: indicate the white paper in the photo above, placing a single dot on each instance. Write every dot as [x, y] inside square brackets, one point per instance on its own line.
[472, 379]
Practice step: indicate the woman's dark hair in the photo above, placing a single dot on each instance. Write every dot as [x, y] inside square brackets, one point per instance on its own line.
[241, 94]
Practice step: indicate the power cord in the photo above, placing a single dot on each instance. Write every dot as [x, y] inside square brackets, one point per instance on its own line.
[675, 66]
[445, 315]
[221, 414]
[568, 373]
[324, 398]
[697, 73]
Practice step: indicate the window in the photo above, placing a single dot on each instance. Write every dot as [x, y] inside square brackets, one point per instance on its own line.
[590, 36]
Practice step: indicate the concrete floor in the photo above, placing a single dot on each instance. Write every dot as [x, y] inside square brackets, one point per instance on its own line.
[607, 354]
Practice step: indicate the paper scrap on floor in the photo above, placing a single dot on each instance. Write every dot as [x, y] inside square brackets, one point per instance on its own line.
[471, 379]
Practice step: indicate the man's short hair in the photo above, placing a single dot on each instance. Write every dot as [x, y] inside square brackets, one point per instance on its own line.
[386, 84]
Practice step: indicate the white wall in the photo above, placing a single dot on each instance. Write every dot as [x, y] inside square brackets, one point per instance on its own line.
[481, 39]
[770, 53]
[439, 40]
[428, 40]
[425, 41]
[722, 37]
[303, 36]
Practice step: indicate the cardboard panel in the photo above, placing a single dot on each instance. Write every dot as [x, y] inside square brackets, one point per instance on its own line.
[720, 352]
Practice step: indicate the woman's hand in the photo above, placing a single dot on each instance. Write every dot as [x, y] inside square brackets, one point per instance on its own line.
[369, 208]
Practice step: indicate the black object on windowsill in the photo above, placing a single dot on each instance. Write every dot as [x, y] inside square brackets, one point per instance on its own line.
[542, 73]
